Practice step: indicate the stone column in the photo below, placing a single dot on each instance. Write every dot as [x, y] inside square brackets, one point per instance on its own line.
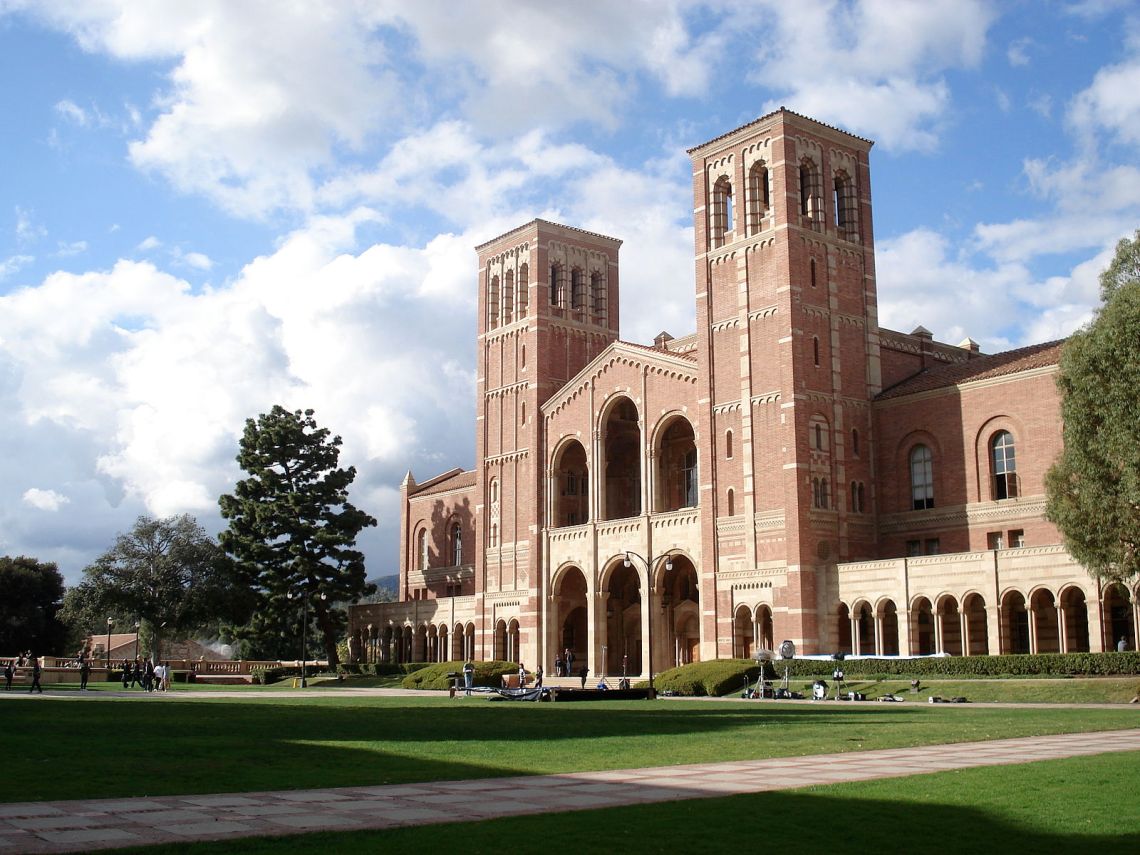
[1062, 630]
[937, 615]
[993, 624]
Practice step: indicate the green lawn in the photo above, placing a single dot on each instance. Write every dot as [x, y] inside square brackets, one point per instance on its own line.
[1073, 805]
[1072, 690]
[79, 746]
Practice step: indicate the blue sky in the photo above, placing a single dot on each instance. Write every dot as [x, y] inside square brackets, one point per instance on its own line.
[210, 208]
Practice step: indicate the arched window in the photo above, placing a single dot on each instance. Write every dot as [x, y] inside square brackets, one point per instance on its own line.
[812, 266]
[523, 289]
[493, 303]
[759, 198]
[921, 478]
[1004, 465]
[817, 436]
[855, 442]
[862, 498]
[676, 467]
[522, 413]
[577, 292]
[844, 198]
[598, 296]
[854, 496]
[819, 493]
[494, 534]
[509, 297]
[721, 210]
[456, 545]
[815, 349]
[494, 491]
[422, 549]
[555, 285]
[522, 356]
[731, 502]
[809, 189]
[728, 444]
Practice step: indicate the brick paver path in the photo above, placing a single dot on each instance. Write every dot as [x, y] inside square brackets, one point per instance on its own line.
[94, 824]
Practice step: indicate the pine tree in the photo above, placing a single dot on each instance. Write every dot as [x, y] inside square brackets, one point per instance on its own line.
[1094, 488]
[292, 530]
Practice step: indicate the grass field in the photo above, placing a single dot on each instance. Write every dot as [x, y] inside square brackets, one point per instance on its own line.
[1073, 806]
[76, 746]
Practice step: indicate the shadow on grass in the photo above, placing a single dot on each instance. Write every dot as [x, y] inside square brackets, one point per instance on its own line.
[94, 748]
[1053, 806]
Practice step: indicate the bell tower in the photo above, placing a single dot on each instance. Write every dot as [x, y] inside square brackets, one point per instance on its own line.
[548, 304]
[788, 347]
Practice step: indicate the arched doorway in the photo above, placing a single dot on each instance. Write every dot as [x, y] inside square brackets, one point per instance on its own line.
[951, 622]
[743, 642]
[922, 627]
[679, 598]
[764, 631]
[889, 628]
[513, 639]
[1046, 630]
[1117, 612]
[1076, 617]
[469, 641]
[443, 651]
[864, 629]
[457, 651]
[500, 653]
[1014, 623]
[676, 456]
[977, 625]
[843, 629]
[571, 615]
[621, 444]
[407, 651]
[622, 636]
[572, 485]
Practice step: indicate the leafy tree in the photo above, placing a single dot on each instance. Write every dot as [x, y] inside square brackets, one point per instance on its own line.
[31, 593]
[1094, 487]
[168, 574]
[292, 529]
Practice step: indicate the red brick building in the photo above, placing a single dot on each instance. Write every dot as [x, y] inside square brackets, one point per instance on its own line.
[790, 471]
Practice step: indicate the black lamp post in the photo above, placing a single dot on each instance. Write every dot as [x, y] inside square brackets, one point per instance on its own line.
[110, 623]
[648, 562]
[304, 631]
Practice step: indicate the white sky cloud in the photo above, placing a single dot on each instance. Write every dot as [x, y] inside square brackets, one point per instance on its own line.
[44, 500]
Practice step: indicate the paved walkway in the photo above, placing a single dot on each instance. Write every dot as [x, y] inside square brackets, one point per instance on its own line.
[83, 825]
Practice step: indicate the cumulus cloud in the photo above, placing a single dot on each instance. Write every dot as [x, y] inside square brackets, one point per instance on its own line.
[44, 500]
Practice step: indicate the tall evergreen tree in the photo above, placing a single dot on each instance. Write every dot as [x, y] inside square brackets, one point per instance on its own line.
[1094, 487]
[31, 593]
[292, 530]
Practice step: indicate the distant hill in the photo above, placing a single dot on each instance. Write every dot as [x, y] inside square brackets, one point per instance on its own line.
[387, 588]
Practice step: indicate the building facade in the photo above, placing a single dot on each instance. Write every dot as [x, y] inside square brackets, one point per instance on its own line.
[790, 471]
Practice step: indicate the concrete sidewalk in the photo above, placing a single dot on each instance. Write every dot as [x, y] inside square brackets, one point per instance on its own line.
[94, 824]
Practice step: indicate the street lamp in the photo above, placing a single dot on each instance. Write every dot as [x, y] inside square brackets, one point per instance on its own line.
[304, 631]
[648, 562]
[137, 624]
[110, 623]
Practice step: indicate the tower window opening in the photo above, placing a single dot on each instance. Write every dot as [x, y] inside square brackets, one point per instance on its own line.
[509, 297]
[493, 303]
[555, 285]
[598, 296]
[721, 210]
[577, 292]
[759, 196]
[523, 289]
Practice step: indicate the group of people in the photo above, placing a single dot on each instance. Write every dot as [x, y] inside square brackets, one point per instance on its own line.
[27, 661]
[151, 677]
[564, 663]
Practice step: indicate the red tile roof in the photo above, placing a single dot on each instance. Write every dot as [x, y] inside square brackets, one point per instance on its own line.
[979, 368]
[456, 482]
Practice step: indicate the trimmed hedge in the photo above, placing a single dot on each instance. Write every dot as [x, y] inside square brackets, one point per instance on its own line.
[269, 676]
[723, 676]
[435, 676]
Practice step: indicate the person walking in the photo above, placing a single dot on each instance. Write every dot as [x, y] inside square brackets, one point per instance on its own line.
[126, 674]
[538, 677]
[1122, 645]
[8, 672]
[468, 676]
[568, 661]
[36, 678]
[84, 673]
[584, 673]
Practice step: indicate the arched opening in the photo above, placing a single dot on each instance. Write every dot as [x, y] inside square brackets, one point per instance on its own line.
[456, 544]
[621, 442]
[1117, 611]
[922, 627]
[500, 652]
[843, 629]
[743, 629]
[598, 297]
[1076, 617]
[441, 648]
[431, 649]
[764, 630]
[513, 642]
[731, 502]
[951, 621]
[1046, 629]
[523, 291]
[677, 466]
[407, 648]
[422, 550]
[680, 611]
[864, 629]
[759, 196]
[1014, 623]
[977, 625]
[571, 613]
[810, 198]
[420, 650]
[889, 628]
[493, 303]
[577, 293]
[389, 645]
[623, 622]
[572, 485]
[921, 478]
[556, 298]
[721, 211]
[509, 297]
[728, 445]
[457, 639]
[844, 200]
[469, 641]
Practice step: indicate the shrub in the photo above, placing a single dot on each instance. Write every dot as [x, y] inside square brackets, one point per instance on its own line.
[725, 676]
[435, 676]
